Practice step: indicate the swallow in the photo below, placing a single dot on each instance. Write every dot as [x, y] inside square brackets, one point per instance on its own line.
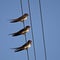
[23, 47]
[22, 31]
[20, 19]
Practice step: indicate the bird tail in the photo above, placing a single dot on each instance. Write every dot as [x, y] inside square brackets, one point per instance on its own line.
[13, 20]
[17, 49]
[15, 34]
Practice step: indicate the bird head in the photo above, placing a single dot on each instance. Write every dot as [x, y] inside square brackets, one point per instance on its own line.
[26, 14]
[27, 27]
[29, 41]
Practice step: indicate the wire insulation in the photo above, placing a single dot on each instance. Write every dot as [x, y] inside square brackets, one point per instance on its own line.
[42, 30]
[32, 29]
[24, 26]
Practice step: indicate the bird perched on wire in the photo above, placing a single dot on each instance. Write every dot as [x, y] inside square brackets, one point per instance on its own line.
[22, 31]
[20, 19]
[23, 47]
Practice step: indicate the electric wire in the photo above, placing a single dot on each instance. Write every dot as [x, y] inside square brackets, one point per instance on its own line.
[32, 29]
[42, 30]
[24, 26]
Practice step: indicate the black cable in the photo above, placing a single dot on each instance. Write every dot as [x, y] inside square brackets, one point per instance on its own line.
[24, 26]
[42, 30]
[32, 29]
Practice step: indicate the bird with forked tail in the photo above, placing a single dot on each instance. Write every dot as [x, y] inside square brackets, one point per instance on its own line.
[20, 19]
[22, 31]
[23, 47]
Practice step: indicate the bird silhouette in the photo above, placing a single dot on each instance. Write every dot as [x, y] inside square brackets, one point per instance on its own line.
[23, 47]
[22, 31]
[20, 19]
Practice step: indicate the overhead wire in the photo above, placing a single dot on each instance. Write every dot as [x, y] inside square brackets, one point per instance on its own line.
[24, 26]
[45, 54]
[32, 29]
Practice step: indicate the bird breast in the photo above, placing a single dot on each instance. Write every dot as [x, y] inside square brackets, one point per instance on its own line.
[25, 18]
[27, 46]
[27, 30]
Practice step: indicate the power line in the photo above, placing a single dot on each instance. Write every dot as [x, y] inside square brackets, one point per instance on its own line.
[42, 30]
[24, 26]
[31, 29]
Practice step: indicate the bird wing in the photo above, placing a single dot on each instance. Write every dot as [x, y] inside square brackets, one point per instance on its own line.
[23, 47]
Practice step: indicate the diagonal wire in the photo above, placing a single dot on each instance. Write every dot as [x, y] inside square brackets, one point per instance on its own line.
[32, 29]
[24, 26]
[42, 30]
